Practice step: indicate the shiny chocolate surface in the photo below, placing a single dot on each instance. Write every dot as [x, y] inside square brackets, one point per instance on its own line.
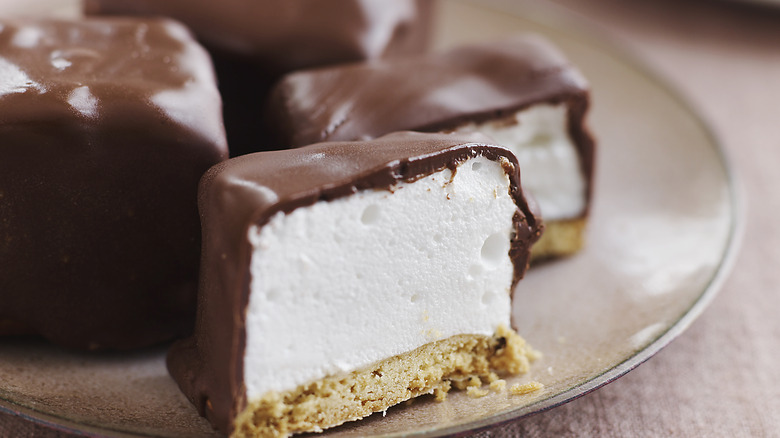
[106, 126]
[254, 42]
[436, 92]
[284, 35]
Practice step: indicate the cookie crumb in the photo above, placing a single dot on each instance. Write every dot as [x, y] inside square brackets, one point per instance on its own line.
[526, 388]
[498, 385]
[476, 392]
[441, 391]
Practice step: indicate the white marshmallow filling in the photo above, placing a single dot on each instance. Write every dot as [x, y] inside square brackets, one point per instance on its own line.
[340, 285]
[549, 163]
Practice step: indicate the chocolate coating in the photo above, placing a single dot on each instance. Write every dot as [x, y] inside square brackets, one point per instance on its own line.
[248, 190]
[429, 93]
[256, 41]
[285, 35]
[106, 126]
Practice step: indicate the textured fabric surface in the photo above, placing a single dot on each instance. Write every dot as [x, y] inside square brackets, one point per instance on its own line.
[17, 427]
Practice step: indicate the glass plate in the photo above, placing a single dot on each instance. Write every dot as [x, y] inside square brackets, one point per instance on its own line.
[661, 236]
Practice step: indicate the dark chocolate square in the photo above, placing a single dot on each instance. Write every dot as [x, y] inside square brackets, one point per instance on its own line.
[106, 126]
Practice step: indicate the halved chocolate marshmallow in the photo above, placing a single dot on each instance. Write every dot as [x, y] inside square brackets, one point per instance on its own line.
[342, 278]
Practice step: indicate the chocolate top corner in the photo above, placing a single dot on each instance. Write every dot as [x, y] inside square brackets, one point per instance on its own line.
[107, 72]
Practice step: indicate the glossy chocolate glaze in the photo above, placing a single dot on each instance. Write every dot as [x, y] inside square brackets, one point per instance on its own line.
[254, 42]
[430, 93]
[248, 190]
[106, 126]
[285, 35]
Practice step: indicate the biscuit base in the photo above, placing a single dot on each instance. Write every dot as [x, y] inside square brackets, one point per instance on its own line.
[560, 238]
[434, 367]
